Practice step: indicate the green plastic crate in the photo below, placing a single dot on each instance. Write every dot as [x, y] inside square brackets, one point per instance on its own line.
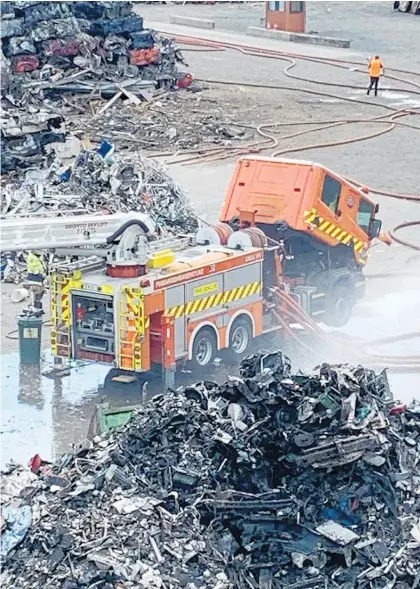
[106, 418]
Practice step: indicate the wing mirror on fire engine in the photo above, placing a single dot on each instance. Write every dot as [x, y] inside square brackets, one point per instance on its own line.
[376, 228]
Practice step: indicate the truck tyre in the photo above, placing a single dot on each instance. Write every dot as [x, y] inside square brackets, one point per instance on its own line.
[204, 349]
[405, 6]
[339, 305]
[240, 339]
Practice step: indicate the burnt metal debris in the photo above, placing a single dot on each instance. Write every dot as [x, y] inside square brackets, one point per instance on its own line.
[271, 480]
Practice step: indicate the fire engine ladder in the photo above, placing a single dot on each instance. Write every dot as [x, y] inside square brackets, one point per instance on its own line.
[60, 315]
[131, 328]
[85, 265]
[174, 243]
[79, 231]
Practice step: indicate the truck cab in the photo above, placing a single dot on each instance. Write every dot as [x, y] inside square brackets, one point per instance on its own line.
[323, 222]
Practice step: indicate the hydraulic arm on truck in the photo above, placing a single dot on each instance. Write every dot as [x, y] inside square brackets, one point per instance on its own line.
[119, 238]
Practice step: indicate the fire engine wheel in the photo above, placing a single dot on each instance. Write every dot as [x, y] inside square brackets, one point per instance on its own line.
[339, 306]
[405, 6]
[240, 339]
[204, 349]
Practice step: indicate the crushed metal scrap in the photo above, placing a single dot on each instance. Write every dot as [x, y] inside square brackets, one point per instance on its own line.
[106, 77]
[271, 480]
[97, 183]
[174, 121]
[98, 50]
[55, 48]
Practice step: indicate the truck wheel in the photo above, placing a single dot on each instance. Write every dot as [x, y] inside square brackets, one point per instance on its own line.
[405, 6]
[204, 349]
[339, 306]
[240, 339]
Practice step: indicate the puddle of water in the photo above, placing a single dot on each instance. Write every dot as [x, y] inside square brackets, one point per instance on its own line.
[45, 416]
[399, 98]
[40, 415]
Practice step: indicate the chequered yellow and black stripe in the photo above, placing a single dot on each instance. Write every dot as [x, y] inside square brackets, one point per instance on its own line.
[310, 216]
[223, 298]
[332, 230]
[62, 289]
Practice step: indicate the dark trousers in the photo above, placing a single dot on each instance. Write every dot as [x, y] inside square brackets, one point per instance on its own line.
[373, 84]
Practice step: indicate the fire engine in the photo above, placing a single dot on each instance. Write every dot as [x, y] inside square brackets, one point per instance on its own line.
[137, 302]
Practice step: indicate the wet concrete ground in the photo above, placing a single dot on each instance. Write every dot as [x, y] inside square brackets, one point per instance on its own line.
[46, 416]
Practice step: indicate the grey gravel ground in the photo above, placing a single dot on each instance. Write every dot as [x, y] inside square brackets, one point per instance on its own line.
[40, 415]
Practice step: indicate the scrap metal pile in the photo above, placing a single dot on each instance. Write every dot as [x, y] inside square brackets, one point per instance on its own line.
[53, 50]
[98, 183]
[91, 70]
[175, 121]
[268, 481]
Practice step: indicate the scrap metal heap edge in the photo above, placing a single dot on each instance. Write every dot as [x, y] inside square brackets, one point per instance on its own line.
[270, 480]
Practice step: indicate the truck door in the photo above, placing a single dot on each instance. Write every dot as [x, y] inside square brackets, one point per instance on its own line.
[331, 193]
[365, 218]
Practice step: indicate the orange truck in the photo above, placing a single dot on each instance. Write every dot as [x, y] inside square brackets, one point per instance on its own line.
[285, 226]
[324, 223]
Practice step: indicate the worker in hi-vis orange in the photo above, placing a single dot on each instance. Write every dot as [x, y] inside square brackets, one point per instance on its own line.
[375, 70]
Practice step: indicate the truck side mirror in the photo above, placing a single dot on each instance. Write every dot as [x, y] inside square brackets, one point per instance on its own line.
[376, 228]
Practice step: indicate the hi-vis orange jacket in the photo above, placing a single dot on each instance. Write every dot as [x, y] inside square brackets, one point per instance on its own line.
[375, 67]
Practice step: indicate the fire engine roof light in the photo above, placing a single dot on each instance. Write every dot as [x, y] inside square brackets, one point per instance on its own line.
[145, 283]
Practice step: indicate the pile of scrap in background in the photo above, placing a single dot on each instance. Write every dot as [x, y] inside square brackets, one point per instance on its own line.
[271, 480]
[81, 47]
[53, 50]
[78, 75]
[97, 183]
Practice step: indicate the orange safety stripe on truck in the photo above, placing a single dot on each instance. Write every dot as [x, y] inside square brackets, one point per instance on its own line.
[223, 298]
[311, 217]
